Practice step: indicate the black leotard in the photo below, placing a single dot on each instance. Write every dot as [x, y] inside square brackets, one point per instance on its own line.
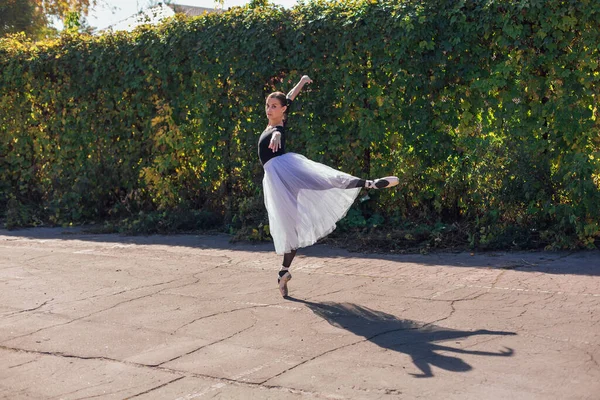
[264, 152]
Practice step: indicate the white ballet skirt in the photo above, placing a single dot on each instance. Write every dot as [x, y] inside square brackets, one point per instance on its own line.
[304, 200]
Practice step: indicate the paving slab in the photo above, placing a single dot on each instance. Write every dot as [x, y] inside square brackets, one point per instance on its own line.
[196, 316]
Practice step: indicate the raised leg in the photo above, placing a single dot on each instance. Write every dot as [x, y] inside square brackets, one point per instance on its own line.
[380, 183]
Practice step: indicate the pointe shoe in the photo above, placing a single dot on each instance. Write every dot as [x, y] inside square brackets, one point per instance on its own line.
[282, 282]
[381, 183]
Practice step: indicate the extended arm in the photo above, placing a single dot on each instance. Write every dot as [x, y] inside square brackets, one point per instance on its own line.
[275, 143]
[294, 92]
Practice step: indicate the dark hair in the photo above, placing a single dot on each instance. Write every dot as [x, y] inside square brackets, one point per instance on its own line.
[284, 103]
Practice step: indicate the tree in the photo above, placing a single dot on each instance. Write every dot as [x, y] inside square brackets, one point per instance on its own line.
[258, 3]
[21, 16]
[62, 8]
[34, 16]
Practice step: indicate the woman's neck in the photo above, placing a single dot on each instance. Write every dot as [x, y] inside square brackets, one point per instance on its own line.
[273, 122]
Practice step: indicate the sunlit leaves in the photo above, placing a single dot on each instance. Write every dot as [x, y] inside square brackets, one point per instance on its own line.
[62, 8]
[486, 110]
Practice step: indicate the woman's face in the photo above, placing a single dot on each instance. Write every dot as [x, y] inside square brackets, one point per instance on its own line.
[274, 109]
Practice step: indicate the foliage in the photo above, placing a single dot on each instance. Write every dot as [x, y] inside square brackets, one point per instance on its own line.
[21, 16]
[486, 110]
[33, 17]
[161, 222]
[63, 8]
[72, 21]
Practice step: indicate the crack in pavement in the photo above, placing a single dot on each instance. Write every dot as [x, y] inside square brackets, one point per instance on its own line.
[452, 309]
[206, 345]
[482, 341]
[529, 290]
[156, 387]
[29, 309]
[350, 289]
[88, 315]
[102, 394]
[493, 285]
[61, 396]
[555, 339]
[24, 363]
[222, 381]
[63, 355]
[126, 290]
[220, 313]
[366, 339]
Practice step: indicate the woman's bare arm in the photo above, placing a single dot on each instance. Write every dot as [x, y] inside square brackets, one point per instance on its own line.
[294, 92]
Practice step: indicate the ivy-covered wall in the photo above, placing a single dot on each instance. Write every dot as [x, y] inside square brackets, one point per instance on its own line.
[486, 110]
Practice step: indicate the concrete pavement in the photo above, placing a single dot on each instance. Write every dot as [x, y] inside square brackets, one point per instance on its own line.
[193, 317]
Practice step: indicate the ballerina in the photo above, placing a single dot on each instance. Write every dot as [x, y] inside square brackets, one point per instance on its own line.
[304, 199]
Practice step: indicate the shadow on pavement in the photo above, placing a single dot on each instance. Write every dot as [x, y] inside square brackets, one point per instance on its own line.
[578, 263]
[417, 340]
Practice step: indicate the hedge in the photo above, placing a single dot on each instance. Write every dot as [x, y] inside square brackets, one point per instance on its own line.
[486, 110]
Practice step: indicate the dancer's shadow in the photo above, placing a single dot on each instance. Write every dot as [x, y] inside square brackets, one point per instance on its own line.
[418, 340]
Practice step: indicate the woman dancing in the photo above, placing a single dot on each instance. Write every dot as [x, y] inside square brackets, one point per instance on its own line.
[304, 199]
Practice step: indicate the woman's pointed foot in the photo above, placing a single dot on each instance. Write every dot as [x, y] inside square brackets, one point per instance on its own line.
[282, 280]
[381, 183]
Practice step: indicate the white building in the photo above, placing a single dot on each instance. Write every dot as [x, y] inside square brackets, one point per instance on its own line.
[154, 15]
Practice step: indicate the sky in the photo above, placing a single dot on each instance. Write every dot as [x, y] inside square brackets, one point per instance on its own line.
[109, 12]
